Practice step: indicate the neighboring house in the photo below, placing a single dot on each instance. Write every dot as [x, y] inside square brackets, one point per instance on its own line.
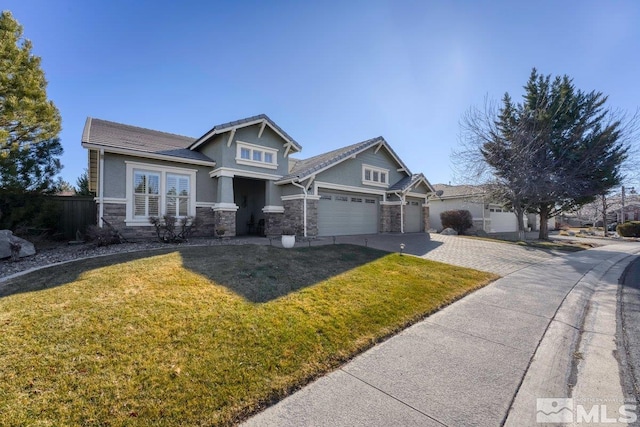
[631, 212]
[487, 215]
[240, 176]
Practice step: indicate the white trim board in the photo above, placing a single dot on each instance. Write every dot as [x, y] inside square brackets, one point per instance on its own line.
[330, 186]
[300, 197]
[231, 173]
[273, 209]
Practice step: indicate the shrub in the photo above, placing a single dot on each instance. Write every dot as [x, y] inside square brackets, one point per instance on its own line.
[28, 210]
[459, 220]
[103, 236]
[171, 230]
[629, 229]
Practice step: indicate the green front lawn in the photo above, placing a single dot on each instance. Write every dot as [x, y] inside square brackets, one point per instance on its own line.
[201, 335]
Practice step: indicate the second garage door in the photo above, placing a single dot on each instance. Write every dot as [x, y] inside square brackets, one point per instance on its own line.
[413, 217]
[342, 214]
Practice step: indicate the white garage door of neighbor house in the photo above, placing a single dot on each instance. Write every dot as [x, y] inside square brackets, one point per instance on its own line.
[413, 217]
[502, 222]
[344, 214]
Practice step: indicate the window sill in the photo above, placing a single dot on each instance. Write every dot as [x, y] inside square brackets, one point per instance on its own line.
[375, 184]
[256, 163]
[138, 222]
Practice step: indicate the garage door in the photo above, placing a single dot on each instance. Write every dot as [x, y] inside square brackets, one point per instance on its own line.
[413, 217]
[342, 214]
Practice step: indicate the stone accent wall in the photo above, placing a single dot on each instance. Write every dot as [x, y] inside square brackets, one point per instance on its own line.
[206, 219]
[294, 216]
[227, 220]
[292, 219]
[312, 217]
[273, 223]
[390, 219]
[115, 214]
[425, 218]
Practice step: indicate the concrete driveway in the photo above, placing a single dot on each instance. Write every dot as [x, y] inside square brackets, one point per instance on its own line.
[495, 257]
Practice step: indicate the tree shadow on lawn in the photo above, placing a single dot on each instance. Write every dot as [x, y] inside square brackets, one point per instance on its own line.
[257, 273]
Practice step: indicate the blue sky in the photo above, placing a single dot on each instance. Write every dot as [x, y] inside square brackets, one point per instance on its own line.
[329, 73]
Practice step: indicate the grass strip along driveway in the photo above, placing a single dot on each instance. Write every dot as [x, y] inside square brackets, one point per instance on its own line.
[200, 335]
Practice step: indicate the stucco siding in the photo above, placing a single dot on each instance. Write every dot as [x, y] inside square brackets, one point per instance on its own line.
[349, 172]
[115, 176]
[289, 189]
[436, 207]
[225, 157]
[420, 189]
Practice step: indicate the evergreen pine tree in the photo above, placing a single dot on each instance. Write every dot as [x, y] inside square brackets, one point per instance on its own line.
[29, 122]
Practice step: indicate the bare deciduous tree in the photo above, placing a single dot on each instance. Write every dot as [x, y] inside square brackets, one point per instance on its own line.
[556, 150]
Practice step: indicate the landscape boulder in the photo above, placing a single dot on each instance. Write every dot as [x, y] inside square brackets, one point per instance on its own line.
[7, 238]
[449, 232]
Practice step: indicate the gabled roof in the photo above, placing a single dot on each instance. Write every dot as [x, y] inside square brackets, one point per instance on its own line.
[305, 168]
[409, 182]
[134, 140]
[457, 191]
[249, 121]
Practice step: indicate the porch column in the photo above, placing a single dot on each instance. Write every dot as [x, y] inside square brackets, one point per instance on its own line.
[225, 189]
[224, 210]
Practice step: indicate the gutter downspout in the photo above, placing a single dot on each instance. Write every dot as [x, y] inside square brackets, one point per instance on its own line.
[304, 206]
[101, 188]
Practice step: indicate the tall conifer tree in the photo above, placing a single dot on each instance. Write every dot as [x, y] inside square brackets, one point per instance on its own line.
[29, 122]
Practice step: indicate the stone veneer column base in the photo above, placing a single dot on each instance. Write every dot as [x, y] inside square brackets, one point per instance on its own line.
[273, 223]
[390, 219]
[425, 218]
[206, 222]
[294, 216]
[226, 220]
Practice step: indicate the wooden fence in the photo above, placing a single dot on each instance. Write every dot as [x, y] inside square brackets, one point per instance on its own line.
[76, 214]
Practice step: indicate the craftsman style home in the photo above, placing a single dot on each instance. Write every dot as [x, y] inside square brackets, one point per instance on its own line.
[241, 177]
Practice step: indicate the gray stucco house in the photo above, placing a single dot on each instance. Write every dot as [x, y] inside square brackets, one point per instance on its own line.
[241, 176]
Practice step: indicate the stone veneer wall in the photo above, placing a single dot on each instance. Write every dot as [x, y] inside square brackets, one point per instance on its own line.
[206, 226]
[273, 223]
[425, 219]
[227, 220]
[115, 214]
[390, 219]
[294, 216]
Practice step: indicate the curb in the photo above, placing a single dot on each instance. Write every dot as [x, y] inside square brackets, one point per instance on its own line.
[555, 366]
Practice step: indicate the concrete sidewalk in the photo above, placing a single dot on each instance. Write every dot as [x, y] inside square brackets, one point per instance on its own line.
[466, 365]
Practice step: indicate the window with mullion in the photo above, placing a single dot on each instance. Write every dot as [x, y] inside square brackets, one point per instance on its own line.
[146, 191]
[177, 195]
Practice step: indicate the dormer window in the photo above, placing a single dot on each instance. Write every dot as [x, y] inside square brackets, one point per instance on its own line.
[256, 155]
[372, 175]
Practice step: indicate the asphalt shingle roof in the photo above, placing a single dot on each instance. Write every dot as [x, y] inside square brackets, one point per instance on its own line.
[117, 135]
[458, 190]
[240, 122]
[408, 181]
[306, 167]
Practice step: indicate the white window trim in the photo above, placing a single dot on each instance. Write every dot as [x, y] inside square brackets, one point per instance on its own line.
[253, 147]
[163, 171]
[375, 169]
